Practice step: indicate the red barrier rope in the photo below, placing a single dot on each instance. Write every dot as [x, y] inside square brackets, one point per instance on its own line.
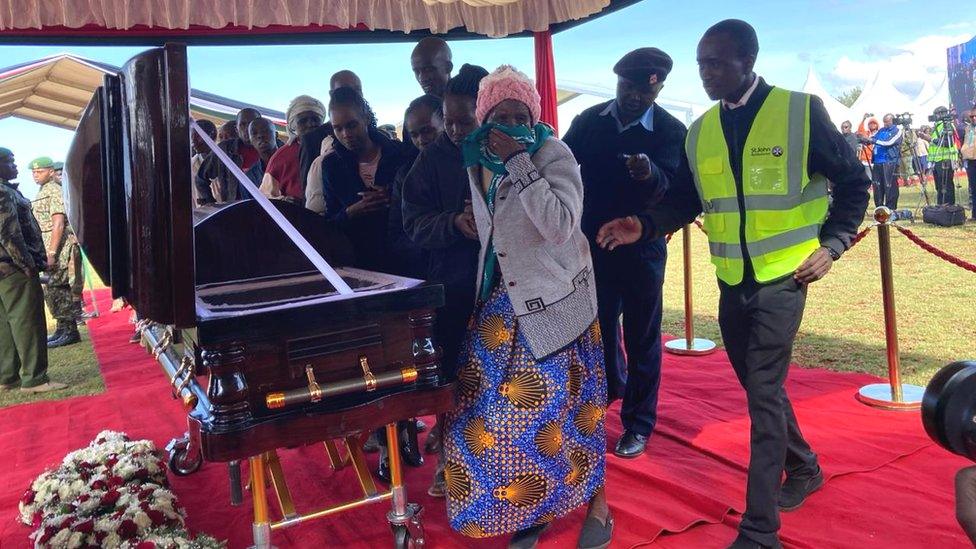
[700, 226]
[860, 236]
[667, 238]
[935, 251]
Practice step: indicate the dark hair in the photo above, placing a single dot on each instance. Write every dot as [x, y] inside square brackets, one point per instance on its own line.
[350, 97]
[742, 33]
[466, 81]
[432, 102]
[208, 127]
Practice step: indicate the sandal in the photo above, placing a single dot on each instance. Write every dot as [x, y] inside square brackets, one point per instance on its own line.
[595, 534]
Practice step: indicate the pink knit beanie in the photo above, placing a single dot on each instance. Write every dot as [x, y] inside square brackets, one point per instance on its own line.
[507, 82]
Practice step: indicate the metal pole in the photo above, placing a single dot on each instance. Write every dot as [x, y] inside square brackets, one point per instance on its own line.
[888, 301]
[689, 313]
[690, 345]
[893, 395]
[261, 528]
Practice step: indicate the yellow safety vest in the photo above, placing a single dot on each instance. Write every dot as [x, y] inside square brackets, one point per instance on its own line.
[784, 206]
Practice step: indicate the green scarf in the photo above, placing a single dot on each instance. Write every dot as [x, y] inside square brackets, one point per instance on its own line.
[474, 148]
[475, 151]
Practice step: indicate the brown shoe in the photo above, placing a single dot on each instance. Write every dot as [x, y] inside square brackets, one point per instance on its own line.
[44, 387]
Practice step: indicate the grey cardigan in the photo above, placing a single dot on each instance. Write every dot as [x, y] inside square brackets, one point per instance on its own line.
[542, 254]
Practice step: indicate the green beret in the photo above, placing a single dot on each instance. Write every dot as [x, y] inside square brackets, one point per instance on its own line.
[58, 166]
[42, 162]
[6, 152]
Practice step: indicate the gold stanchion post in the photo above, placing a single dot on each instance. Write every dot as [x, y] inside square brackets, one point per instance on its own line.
[893, 395]
[690, 345]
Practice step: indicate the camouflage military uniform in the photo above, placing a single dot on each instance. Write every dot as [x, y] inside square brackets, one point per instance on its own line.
[48, 203]
[23, 352]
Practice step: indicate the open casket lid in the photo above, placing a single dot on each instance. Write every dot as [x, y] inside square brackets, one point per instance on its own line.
[141, 191]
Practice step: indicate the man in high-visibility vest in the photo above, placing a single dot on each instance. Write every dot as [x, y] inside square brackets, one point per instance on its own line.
[942, 153]
[757, 165]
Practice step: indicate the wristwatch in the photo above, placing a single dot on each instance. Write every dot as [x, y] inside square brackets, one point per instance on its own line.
[833, 253]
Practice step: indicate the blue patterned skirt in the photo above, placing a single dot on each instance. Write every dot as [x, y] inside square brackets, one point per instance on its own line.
[526, 443]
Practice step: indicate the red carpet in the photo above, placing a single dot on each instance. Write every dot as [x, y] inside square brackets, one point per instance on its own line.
[888, 486]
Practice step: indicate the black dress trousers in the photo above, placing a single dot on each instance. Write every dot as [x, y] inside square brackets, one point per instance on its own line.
[759, 323]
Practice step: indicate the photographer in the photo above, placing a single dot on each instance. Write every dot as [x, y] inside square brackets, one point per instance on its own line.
[887, 153]
[942, 151]
[968, 152]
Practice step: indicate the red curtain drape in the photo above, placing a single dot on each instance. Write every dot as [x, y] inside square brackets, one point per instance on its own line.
[545, 78]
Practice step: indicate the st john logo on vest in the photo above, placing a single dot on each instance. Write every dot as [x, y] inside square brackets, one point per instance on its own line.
[775, 150]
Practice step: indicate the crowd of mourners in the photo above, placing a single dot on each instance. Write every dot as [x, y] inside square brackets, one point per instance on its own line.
[552, 256]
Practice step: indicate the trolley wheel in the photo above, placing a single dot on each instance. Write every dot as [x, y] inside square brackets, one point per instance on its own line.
[180, 461]
[409, 535]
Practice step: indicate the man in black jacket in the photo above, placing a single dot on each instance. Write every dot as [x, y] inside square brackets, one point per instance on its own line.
[628, 149]
[760, 313]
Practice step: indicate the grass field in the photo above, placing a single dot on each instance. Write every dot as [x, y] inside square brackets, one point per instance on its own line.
[842, 328]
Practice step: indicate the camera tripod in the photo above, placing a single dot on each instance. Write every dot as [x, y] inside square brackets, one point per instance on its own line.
[907, 170]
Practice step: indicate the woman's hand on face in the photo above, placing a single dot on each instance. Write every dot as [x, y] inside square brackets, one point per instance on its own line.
[502, 144]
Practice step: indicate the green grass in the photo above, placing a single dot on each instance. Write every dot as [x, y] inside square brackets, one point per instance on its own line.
[74, 365]
[843, 326]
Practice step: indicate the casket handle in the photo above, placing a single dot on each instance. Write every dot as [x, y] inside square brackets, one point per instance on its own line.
[315, 392]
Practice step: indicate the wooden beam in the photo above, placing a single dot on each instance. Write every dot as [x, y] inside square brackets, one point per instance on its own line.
[68, 84]
[73, 114]
[46, 118]
[16, 95]
[61, 98]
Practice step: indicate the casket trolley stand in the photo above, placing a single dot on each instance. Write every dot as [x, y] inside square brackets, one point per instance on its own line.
[266, 345]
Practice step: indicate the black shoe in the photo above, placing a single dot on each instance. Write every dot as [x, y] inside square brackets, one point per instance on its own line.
[58, 332]
[69, 337]
[743, 542]
[595, 534]
[630, 445]
[372, 444]
[796, 490]
[383, 469]
[410, 448]
[527, 538]
[136, 337]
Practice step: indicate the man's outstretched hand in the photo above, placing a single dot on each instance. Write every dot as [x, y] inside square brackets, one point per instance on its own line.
[619, 232]
[815, 267]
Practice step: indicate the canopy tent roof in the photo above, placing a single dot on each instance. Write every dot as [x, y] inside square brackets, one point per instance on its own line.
[940, 98]
[838, 111]
[927, 92]
[286, 21]
[880, 97]
[55, 90]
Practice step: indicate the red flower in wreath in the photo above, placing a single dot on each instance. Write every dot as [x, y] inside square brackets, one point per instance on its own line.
[28, 498]
[128, 529]
[85, 527]
[110, 498]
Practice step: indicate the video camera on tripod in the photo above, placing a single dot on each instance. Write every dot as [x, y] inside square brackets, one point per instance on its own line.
[903, 119]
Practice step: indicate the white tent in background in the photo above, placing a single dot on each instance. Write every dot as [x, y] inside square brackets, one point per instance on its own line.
[879, 97]
[926, 93]
[838, 111]
[939, 99]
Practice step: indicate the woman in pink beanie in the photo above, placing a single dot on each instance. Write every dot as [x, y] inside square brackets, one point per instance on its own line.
[525, 444]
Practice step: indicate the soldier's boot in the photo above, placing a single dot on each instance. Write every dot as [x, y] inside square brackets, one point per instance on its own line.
[58, 332]
[69, 337]
[79, 312]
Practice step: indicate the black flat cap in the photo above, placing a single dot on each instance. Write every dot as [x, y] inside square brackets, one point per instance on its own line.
[641, 63]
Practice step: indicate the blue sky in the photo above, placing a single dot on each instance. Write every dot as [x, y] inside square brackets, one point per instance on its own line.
[844, 40]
